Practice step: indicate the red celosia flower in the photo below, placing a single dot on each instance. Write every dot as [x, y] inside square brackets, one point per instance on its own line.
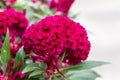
[64, 6]
[53, 36]
[16, 22]
[3, 25]
[14, 74]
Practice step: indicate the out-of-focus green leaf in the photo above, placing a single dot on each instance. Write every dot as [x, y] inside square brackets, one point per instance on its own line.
[19, 57]
[2, 5]
[35, 73]
[85, 65]
[82, 75]
[43, 66]
[5, 52]
[31, 67]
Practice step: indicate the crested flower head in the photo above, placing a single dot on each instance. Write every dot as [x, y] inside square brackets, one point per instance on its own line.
[53, 36]
[16, 22]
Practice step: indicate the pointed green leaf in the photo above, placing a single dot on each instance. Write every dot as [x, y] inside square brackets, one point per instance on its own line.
[5, 52]
[82, 75]
[85, 65]
[35, 73]
[31, 67]
[19, 57]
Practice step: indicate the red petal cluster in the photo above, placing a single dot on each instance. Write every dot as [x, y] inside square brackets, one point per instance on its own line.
[53, 36]
[16, 22]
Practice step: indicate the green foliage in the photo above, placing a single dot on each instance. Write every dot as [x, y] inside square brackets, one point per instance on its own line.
[82, 75]
[85, 65]
[5, 52]
[34, 11]
[35, 71]
[82, 71]
[31, 67]
[19, 57]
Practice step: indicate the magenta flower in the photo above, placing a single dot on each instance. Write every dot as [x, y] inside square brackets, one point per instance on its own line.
[34, 1]
[52, 4]
[3, 25]
[14, 74]
[53, 36]
[63, 6]
[17, 23]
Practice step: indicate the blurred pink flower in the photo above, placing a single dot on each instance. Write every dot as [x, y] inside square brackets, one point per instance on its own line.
[34, 1]
[64, 6]
[53, 4]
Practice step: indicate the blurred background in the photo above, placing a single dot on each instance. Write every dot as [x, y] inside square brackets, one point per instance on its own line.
[102, 20]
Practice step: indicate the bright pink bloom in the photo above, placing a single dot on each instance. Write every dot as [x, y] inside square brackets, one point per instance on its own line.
[3, 25]
[17, 23]
[53, 36]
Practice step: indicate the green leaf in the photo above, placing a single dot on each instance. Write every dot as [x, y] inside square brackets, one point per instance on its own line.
[56, 78]
[5, 52]
[82, 75]
[35, 73]
[19, 57]
[31, 67]
[43, 66]
[85, 65]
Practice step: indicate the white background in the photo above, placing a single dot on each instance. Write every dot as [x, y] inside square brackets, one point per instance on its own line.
[102, 20]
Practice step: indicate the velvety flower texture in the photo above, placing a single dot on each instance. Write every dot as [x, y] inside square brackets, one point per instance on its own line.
[3, 25]
[14, 73]
[16, 22]
[53, 36]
